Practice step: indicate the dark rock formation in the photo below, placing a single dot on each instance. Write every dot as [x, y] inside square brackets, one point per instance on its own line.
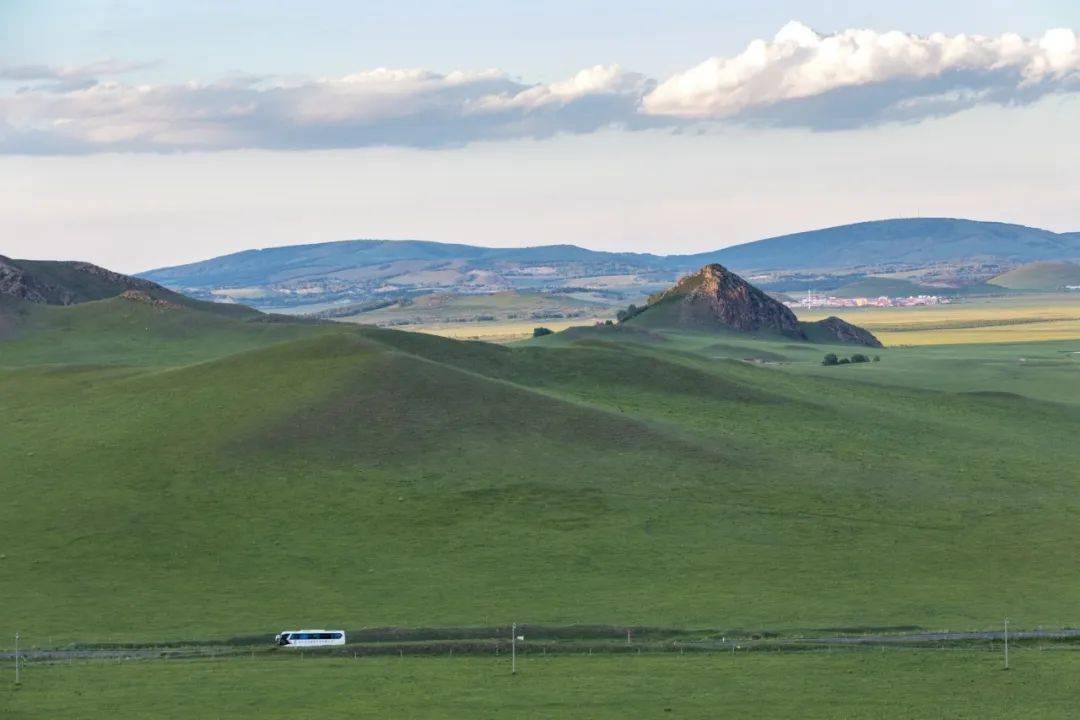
[833, 329]
[715, 296]
[15, 283]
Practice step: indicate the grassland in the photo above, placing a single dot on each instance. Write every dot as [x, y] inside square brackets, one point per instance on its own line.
[981, 320]
[1024, 318]
[864, 684]
[498, 331]
[170, 474]
[1044, 371]
[447, 308]
[1044, 276]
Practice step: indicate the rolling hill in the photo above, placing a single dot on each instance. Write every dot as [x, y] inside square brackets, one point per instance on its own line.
[371, 477]
[889, 287]
[64, 282]
[1042, 276]
[319, 276]
[913, 242]
[173, 473]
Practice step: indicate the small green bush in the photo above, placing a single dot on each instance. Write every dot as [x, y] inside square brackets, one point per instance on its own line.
[844, 361]
[859, 358]
[830, 359]
[541, 331]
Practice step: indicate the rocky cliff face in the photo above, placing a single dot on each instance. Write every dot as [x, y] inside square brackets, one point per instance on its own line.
[715, 296]
[15, 283]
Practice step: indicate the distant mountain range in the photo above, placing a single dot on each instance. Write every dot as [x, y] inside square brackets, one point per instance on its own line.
[316, 277]
[712, 299]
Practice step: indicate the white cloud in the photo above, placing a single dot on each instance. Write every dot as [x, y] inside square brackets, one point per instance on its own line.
[853, 78]
[598, 80]
[409, 107]
[868, 76]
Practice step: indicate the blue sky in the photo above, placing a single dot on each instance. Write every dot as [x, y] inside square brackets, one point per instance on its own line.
[610, 125]
[204, 38]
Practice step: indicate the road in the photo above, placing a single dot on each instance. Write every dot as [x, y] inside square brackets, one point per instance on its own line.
[489, 645]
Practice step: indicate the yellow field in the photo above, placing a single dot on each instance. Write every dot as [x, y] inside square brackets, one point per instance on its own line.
[985, 320]
[495, 331]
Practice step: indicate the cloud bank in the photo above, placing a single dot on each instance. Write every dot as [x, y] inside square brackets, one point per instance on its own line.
[862, 77]
[850, 79]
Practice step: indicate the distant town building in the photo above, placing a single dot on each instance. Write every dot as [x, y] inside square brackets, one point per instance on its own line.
[828, 301]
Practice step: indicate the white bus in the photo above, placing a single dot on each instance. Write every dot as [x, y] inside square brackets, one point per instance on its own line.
[309, 638]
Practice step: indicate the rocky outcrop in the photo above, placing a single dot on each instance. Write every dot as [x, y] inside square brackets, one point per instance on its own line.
[14, 282]
[715, 296]
[66, 283]
[833, 329]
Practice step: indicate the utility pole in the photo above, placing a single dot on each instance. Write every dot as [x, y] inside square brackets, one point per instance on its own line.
[1006, 643]
[16, 658]
[513, 649]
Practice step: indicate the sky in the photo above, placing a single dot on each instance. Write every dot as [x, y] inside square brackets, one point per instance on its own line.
[143, 134]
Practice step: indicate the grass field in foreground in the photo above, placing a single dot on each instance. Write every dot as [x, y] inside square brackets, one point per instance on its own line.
[851, 683]
[1024, 318]
[158, 485]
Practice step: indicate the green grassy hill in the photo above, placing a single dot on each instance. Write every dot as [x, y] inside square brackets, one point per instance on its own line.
[890, 287]
[1045, 276]
[171, 473]
[134, 330]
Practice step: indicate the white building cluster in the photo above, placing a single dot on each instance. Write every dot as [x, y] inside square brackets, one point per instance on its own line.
[828, 301]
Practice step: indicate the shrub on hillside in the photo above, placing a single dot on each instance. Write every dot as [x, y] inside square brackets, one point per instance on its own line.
[541, 331]
[844, 361]
[859, 358]
[830, 359]
[631, 311]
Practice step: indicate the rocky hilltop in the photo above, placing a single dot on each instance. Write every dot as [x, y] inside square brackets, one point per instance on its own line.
[714, 298]
[66, 283]
[833, 329]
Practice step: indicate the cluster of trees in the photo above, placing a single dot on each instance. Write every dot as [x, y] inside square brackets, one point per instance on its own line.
[831, 359]
[629, 312]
